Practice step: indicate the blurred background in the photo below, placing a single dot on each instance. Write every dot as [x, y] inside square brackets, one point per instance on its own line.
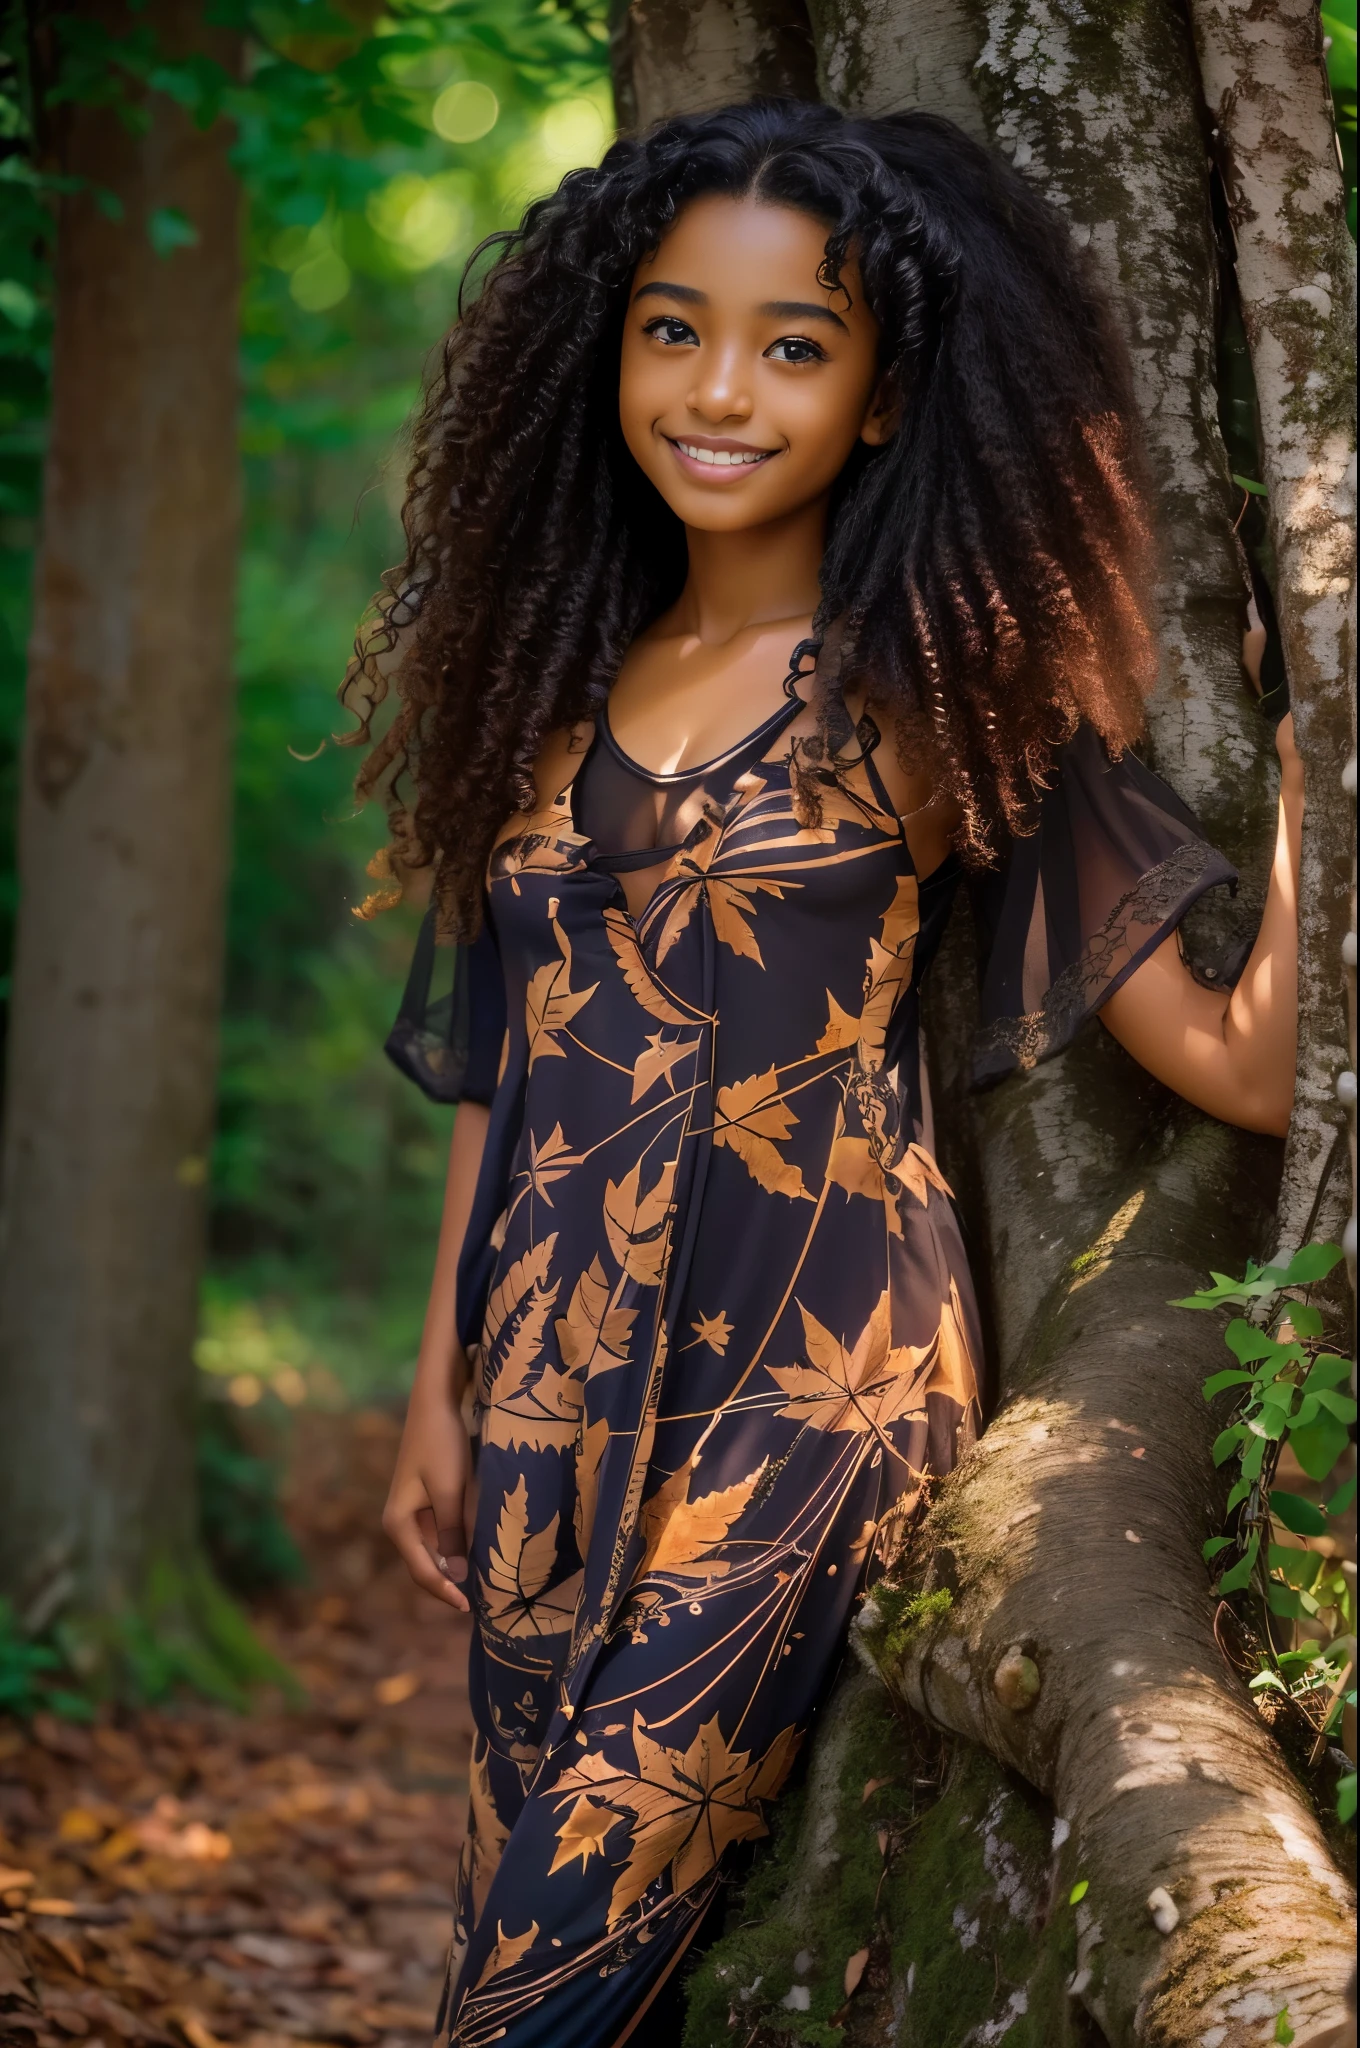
[376, 150]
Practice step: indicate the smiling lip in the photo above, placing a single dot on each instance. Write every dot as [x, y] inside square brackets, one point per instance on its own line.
[712, 458]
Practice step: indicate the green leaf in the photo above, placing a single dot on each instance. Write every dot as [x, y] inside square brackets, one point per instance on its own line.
[1342, 1498]
[1079, 1891]
[1345, 1799]
[1328, 1371]
[1266, 1681]
[1305, 1320]
[1339, 1405]
[1247, 1343]
[1314, 1262]
[1226, 1442]
[1341, 58]
[1299, 1567]
[1284, 2033]
[1279, 1394]
[1318, 1445]
[1239, 1575]
[1214, 1545]
[1229, 1377]
[169, 229]
[1299, 1516]
[1249, 483]
[1238, 1494]
[1253, 1458]
[1286, 1601]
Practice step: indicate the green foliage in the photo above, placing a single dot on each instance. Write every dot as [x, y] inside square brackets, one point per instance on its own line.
[901, 1614]
[1289, 1388]
[243, 1532]
[1338, 29]
[33, 1675]
[374, 157]
[185, 1633]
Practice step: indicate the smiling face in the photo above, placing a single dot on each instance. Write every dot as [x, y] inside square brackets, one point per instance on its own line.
[744, 383]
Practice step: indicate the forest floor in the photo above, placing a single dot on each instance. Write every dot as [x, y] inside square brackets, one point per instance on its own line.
[198, 1876]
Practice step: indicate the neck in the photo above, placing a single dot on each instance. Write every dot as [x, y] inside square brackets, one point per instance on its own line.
[754, 577]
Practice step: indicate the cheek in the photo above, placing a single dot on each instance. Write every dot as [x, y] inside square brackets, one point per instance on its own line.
[822, 419]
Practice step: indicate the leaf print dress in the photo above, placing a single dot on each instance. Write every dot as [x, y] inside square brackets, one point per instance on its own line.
[717, 1303]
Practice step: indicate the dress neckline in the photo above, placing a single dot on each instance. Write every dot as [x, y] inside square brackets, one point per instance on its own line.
[771, 726]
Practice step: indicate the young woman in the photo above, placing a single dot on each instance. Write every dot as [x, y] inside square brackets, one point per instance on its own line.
[776, 554]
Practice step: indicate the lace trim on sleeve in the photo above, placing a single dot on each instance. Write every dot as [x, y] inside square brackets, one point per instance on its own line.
[1134, 928]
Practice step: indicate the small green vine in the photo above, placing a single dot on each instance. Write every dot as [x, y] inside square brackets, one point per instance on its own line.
[1295, 1390]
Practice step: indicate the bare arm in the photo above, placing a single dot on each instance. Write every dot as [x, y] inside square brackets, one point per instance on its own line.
[1231, 1054]
[425, 1511]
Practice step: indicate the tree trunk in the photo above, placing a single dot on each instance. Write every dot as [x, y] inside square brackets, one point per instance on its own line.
[1267, 90]
[123, 840]
[1072, 1535]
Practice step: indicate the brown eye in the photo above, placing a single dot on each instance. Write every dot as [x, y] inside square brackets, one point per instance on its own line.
[673, 332]
[795, 348]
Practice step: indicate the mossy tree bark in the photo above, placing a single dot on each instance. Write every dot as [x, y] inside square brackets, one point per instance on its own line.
[1071, 1537]
[123, 843]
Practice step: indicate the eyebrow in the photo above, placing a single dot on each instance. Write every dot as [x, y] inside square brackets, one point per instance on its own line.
[773, 309]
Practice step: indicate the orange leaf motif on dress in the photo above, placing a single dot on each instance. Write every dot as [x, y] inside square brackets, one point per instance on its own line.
[518, 1569]
[589, 1456]
[715, 1331]
[487, 1832]
[507, 1952]
[680, 1533]
[853, 1166]
[656, 1061]
[551, 1161]
[918, 1173]
[752, 1120]
[551, 1003]
[654, 1000]
[685, 1806]
[638, 1225]
[889, 972]
[842, 1030]
[592, 1335]
[516, 1316]
[866, 1388]
[582, 1833]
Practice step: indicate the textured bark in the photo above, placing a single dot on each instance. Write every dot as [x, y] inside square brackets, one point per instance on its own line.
[123, 839]
[686, 56]
[1267, 91]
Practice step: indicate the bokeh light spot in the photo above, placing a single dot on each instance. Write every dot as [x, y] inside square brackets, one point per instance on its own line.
[321, 282]
[465, 111]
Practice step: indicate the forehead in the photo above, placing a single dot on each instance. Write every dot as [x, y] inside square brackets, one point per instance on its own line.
[744, 249]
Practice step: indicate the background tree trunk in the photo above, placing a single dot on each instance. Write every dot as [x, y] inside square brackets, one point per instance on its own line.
[123, 842]
[1073, 1534]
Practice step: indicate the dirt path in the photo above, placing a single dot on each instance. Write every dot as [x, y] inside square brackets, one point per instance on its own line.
[194, 1877]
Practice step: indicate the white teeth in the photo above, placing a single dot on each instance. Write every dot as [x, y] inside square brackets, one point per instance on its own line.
[721, 458]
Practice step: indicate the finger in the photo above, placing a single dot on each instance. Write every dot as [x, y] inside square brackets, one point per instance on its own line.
[445, 1546]
[420, 1564]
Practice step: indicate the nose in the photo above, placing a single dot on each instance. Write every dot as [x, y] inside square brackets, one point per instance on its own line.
[721, 391]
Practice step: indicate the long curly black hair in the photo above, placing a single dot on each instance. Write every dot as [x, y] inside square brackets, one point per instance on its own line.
[986, 571]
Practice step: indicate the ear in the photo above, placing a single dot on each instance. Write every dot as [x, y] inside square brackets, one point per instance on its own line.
[884, 414]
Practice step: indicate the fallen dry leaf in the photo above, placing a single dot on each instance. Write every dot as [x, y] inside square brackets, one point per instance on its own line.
[854, 1970]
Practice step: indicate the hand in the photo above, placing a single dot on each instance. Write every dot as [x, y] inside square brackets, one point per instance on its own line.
[424, 1515]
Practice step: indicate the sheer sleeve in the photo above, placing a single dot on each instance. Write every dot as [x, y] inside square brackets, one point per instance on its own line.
[1076, 906]
[449, 1030]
